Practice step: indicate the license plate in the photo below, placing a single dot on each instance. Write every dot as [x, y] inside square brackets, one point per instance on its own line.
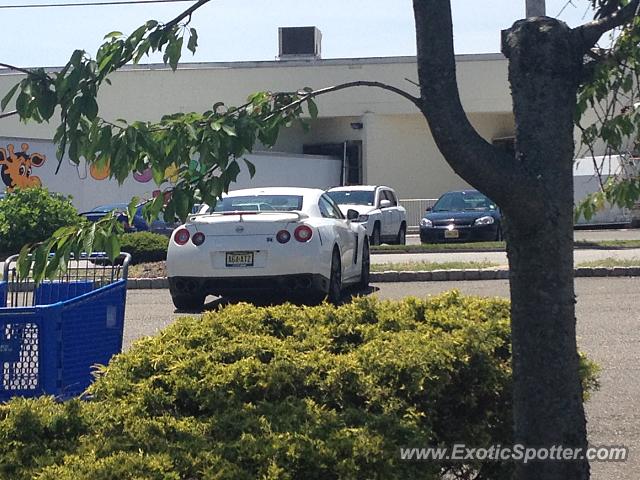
[239, 259]
[451, 234]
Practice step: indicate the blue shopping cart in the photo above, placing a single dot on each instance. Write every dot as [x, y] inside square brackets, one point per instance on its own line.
[53, 334]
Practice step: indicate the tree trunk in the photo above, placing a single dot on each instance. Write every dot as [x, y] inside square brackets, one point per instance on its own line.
[544, 70]
[535, 191]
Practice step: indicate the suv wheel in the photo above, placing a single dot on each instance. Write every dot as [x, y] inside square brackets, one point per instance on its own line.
[375, 236]
[402, 235]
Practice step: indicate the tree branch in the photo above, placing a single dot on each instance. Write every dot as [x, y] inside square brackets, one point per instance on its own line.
[358, 83]
[489, 169]
[589, 33]
[186, 13]
[16, 69]
[8, 114]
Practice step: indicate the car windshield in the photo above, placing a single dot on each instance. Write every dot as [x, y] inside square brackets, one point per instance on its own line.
[111, 207]
[352, 197]
[258, 203]
[463, 201]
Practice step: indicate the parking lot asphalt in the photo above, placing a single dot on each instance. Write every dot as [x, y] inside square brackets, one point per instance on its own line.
[608, 331]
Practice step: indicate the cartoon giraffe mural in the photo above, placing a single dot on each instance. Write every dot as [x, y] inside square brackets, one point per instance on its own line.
[15, 168]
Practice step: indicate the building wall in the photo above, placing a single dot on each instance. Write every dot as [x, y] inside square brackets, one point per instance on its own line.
[397, 147]
[400, 152]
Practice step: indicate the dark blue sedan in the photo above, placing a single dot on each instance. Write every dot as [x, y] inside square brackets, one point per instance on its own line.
[463, 216]
[139, 224]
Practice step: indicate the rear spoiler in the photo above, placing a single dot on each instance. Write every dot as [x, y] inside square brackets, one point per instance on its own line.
[241, 213]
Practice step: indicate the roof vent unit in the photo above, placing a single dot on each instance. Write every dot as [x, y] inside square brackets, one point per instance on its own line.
[299, 43]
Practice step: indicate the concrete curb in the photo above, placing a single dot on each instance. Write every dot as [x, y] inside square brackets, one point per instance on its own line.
[429, 276]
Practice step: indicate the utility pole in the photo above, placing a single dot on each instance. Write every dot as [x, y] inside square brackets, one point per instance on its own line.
[535, 8]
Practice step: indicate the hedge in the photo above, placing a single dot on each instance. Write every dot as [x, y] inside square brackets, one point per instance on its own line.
[32, 215]
[283, 392]
[145, 246]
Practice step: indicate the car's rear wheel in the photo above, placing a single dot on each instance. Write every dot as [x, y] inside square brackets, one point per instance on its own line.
[366, 266]
[187, 302]
[402, 235]
[335, 280]
[375, 235]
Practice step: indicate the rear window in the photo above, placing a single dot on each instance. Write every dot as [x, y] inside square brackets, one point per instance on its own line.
[259, 203]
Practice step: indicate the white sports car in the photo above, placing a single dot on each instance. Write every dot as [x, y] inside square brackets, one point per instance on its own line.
[277, 239]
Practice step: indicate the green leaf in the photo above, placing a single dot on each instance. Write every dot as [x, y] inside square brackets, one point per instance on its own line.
[158, 174]
[47, 104]
[313, 109]
[24, 262]
[132, 208]
[89, 238]
[229, 130]
[89, 107]
[7, 98]
[76, 58]
[112, 246]
[251, 167]
[193, 40]
[114, 34]
[39, 263]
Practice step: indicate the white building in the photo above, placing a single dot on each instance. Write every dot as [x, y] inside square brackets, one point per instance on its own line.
[380, 137]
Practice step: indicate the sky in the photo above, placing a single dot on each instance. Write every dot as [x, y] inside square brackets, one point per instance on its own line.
[240, 30]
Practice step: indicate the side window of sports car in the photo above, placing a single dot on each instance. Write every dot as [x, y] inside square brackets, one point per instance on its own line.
[328, 209]
[336, 210]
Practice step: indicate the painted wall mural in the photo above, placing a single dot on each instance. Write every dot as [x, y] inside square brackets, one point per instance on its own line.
[15, 167]
[29, 162]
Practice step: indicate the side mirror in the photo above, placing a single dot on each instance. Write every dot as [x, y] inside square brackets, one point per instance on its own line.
[428, 209]
[352, 214]
[385, 203]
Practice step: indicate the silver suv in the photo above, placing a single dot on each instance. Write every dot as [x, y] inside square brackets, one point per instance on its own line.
[380, 212]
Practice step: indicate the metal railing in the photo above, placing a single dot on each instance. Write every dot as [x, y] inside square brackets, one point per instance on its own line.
[415, 210]
[86, 274]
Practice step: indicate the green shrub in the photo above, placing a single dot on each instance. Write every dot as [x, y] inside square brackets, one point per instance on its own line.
[32, 215]
[283, 392]
[145, 246]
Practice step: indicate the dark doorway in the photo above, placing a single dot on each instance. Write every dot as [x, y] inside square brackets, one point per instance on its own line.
[350, 152]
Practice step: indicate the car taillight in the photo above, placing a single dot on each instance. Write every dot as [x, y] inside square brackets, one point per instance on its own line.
[182, 236]
[283, 236]
[198, 238]
[303, 233]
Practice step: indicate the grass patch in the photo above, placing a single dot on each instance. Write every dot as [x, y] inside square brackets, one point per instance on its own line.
[608, 244]
[492, 246]
[439, 247]
[611, 262]
[430, 266]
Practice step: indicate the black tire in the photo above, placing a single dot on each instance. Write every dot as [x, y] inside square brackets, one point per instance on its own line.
[365, 273]
[401, 239]
[188, 302]
[499, 236]
[375, 236]
[335, 280]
